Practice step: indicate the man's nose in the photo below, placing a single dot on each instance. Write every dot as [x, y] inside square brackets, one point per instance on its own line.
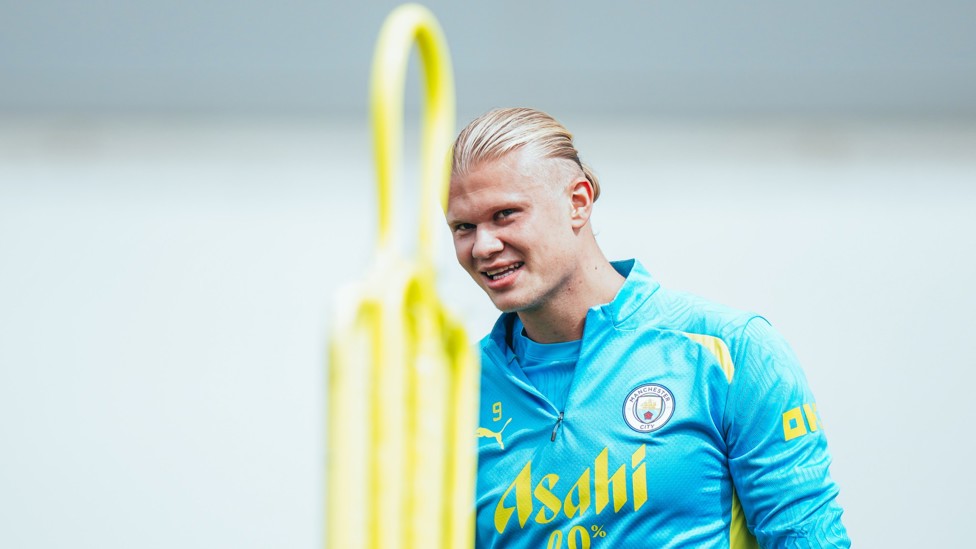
[486, 244]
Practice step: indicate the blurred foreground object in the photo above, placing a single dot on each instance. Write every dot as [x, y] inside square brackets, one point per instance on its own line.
[402, 377]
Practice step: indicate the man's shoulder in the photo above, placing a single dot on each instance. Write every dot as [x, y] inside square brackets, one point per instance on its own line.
[750, 340]
[660, 307]
[687, 312]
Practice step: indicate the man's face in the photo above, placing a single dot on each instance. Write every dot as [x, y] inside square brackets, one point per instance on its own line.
[513, 229]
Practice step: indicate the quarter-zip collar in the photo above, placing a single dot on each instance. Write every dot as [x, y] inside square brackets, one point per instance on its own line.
[637, 288]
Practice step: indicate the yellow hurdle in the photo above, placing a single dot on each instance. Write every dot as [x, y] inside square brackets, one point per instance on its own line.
[402, 376]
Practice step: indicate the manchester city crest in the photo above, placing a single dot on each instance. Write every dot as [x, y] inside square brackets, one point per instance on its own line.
[648, 407]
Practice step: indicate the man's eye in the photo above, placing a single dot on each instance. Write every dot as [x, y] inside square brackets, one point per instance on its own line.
[504, 213]
[461, 227]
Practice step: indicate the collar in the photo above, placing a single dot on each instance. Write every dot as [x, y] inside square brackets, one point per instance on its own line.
[637, 288]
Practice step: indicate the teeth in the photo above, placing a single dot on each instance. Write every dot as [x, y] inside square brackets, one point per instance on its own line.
[500, 273]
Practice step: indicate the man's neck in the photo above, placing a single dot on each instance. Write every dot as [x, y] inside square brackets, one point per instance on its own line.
[563, 317]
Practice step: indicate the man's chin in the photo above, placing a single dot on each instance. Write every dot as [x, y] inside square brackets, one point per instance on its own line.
[508, 304]
[504, 304]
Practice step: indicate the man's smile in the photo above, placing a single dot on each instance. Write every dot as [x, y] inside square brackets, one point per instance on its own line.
[502, 272]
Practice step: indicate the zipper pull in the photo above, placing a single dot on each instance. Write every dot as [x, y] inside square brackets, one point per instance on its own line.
[556, 427]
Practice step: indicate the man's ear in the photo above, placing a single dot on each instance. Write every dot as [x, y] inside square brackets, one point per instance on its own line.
[581, 199]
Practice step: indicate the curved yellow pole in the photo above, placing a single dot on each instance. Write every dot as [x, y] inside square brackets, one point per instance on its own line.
[405, 25]
[402, 377]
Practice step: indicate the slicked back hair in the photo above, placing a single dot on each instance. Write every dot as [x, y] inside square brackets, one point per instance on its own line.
[501, 131]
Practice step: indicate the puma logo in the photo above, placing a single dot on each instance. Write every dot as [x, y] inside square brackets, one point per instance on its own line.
[488, 433]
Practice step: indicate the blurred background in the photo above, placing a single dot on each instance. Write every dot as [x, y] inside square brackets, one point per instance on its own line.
[185, 186]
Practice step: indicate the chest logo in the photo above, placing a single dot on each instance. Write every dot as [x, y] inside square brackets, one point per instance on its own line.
[648, 407]
[488, 433]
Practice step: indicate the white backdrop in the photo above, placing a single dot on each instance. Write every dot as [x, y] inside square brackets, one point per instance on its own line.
[165, 292]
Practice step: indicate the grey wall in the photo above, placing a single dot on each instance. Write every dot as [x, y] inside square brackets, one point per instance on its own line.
[688, 58]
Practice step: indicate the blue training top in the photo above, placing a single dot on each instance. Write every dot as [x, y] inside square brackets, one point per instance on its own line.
[687, 424]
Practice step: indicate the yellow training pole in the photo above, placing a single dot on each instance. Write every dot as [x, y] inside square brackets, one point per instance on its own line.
[402, 377]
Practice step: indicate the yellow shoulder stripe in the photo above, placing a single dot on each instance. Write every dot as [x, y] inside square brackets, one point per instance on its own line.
[718, 348]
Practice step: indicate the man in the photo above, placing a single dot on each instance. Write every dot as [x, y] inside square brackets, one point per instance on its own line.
[614, 411]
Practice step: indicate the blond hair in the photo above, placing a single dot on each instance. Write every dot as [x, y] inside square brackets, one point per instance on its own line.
[501, 131]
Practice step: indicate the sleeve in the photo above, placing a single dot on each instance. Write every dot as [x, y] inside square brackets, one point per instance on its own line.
[777, 450]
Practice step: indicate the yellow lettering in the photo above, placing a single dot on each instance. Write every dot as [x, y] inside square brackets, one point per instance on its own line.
[811, 412]
[555, 540]
[793, 424]
[639, 477]
[582, 501]
[547, 498]
[601, 483]
[520, 497]
[496, 409]
[523, 500]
